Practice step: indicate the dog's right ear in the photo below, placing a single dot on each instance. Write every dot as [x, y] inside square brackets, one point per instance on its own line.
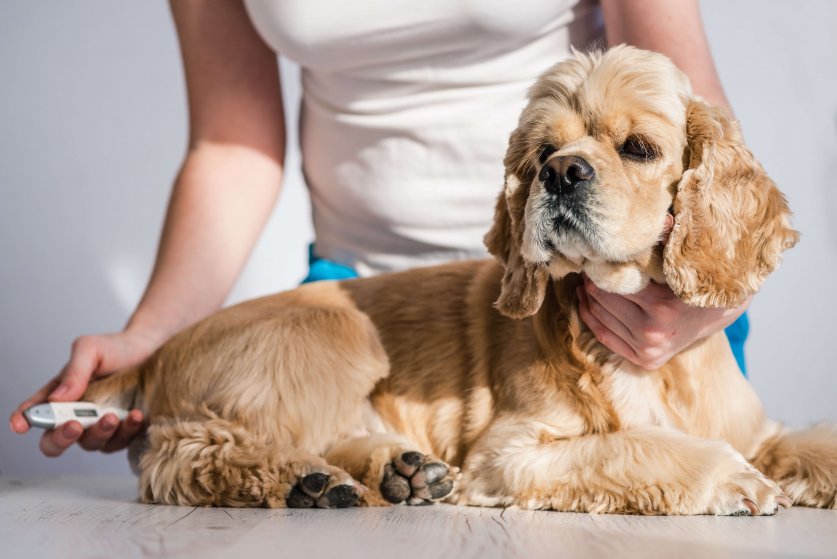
[524, 284]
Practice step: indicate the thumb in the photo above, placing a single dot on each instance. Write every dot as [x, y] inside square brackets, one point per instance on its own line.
[76, 375]
[668, 225]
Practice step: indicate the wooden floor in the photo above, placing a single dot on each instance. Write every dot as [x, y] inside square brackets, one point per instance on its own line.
[99, 517]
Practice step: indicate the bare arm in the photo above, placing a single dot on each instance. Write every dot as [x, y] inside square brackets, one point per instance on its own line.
[221, 199]
[672, 27]
[230, 179]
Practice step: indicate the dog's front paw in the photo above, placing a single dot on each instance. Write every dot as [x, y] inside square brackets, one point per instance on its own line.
[323, 490]
[416, 479]
[747, 492]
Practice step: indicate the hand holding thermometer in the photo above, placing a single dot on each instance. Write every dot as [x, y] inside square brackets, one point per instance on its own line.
[55, 414]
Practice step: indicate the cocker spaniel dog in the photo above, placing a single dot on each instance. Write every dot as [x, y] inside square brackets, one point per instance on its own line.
[476, 382]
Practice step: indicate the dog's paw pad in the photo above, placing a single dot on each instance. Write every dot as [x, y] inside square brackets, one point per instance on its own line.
[339, 497]
[313, 484]
[323, 491]
[296, 499]
[394, 487]
[416, 479]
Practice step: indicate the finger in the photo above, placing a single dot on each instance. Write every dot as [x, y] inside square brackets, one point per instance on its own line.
[55, 441]
[602, 333]
[17, 421]
[128, 430]
[668, 225]
[76, 374]
[98, 434]
[618, 305]
[40, 396]
[609, 321]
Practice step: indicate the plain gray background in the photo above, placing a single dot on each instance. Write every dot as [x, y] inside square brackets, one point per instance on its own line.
[93, 128]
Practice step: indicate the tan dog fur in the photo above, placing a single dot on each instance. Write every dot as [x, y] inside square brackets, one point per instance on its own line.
[486, 366]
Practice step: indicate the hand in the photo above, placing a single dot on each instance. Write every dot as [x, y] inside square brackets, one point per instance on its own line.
[651, 326]
[91, 357]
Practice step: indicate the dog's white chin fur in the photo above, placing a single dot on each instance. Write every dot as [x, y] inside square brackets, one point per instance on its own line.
[622, 278]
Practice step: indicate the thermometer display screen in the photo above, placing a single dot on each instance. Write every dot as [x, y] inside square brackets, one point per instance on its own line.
[85, 413]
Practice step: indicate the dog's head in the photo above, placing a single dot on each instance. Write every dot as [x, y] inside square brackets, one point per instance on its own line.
[609, 144]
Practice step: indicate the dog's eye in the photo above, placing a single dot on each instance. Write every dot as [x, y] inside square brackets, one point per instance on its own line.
[545, 152]
[638, 149]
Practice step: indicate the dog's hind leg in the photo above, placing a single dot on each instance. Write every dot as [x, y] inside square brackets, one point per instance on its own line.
[215, 462]
[804, 464]
[392, 470]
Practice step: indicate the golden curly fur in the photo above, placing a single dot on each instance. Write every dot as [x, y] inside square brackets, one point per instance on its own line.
[476, 382]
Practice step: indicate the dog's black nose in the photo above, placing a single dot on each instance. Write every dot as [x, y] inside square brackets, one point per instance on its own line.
[565, 174]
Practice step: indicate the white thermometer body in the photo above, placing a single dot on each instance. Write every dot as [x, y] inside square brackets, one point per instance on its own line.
[55, 414]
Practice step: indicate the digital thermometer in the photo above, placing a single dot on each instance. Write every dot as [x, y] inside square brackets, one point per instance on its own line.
[55, 414]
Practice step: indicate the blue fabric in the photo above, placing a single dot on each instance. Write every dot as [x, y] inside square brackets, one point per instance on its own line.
[737, 333]
[322, 269]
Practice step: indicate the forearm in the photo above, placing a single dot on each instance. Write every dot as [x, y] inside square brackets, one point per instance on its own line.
[221, 200]
[671, 27]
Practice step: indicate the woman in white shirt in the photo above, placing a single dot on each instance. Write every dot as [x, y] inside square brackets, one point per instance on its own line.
[406, 112]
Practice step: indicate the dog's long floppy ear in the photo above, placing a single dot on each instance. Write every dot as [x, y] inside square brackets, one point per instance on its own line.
[524, 284]
[731, 222]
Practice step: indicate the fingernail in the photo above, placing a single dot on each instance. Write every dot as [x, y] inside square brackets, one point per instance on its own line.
[23, 425]
[60, 391]
[109, 423]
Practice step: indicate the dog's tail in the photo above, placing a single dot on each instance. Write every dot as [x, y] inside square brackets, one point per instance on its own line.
[122, 389]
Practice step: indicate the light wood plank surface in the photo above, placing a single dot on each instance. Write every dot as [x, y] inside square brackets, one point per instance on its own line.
[73, 516]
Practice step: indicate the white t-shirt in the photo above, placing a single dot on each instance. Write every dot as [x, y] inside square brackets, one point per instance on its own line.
[407, 107]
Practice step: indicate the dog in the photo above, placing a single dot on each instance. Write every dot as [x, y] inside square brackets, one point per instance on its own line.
[476, 382]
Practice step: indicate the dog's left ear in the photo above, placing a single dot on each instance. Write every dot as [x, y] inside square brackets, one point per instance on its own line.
[731, 222]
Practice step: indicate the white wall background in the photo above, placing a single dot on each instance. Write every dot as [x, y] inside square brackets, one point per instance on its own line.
[92, 129]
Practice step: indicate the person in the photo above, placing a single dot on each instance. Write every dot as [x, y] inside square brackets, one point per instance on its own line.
[406, 113]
